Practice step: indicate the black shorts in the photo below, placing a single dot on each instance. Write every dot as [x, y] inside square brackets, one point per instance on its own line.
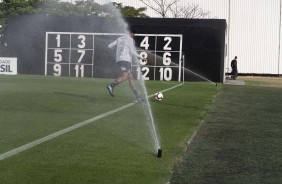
[124, 66]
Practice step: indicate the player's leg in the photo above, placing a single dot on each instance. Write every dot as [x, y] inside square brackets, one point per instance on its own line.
[124, 67]
[132, 84]
[123, 77]
[133, 88]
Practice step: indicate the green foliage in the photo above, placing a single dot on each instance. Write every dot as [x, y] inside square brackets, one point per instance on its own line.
[129, 11]
[58, 8]
[15, 7]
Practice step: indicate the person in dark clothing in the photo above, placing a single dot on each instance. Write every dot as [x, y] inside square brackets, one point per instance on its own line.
[234, 72]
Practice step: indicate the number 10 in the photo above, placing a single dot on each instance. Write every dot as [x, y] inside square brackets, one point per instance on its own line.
[165, 74]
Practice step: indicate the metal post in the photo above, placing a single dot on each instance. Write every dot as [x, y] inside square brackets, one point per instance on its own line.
[279, 45]
[228, 32]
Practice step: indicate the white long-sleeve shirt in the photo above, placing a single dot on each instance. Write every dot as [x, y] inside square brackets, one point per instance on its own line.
[125, 49]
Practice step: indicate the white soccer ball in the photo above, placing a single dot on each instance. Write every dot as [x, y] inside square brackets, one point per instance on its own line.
[159, 96]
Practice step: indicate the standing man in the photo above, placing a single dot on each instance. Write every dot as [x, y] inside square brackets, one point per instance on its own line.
[125, 55]
[234, 68]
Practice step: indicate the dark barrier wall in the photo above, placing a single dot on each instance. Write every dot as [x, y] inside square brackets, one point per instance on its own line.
[203, 41]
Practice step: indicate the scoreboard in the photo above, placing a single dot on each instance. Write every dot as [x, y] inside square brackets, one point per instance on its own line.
[163, 53]
[77, 54]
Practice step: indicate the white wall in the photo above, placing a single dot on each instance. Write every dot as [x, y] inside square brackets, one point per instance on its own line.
[254, 35]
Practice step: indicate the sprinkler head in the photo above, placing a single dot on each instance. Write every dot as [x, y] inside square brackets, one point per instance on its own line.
[159, 153]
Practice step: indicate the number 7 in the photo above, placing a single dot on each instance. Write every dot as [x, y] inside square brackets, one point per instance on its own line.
[82, 53]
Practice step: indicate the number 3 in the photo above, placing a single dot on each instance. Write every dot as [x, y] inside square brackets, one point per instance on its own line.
[82, 41]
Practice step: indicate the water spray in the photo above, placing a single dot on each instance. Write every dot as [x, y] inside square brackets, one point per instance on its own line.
[147, 107]
[146, 104]
[184, 69]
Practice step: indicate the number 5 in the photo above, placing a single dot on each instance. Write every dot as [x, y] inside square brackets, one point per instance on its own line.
[58, 55]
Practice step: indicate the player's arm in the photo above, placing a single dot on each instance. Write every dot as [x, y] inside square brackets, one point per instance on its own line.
[136, 55]
[113, 44]
[134, 52]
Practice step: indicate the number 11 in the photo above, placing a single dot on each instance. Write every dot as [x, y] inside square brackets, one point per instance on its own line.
[77, 69]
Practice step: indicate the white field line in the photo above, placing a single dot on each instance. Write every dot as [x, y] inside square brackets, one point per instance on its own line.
[59, 133]
[166, 89]
[200, 125]
[66, 130]
[193, 136]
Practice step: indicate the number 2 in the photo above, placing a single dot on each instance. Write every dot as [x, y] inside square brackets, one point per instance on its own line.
[168, 39]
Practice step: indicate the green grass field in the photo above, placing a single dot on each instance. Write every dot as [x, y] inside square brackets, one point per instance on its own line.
[240, 140]
[117, 148]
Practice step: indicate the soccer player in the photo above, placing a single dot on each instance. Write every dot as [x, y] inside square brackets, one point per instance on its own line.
[125, 55]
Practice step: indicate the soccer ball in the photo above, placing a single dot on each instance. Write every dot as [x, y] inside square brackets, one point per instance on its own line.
[159, 96]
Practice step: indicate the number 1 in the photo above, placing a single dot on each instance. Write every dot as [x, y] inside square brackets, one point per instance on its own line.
[58, 38]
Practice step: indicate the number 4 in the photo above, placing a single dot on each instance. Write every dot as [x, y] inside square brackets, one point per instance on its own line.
[145, 43]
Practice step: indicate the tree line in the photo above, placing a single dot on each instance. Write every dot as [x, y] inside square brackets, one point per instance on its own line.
[59, 8]
[163, 8]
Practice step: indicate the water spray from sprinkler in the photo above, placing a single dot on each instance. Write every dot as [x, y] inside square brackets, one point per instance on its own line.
[146, 104]
[185, 69]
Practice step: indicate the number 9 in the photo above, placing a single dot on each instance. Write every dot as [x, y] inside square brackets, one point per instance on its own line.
[58, 69]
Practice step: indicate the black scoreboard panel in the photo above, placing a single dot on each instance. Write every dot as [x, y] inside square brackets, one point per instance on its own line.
[69, 54]
[81, 54]
[164, 54]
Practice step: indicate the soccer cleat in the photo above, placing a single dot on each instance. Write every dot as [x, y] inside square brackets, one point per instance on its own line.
[110, 89]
